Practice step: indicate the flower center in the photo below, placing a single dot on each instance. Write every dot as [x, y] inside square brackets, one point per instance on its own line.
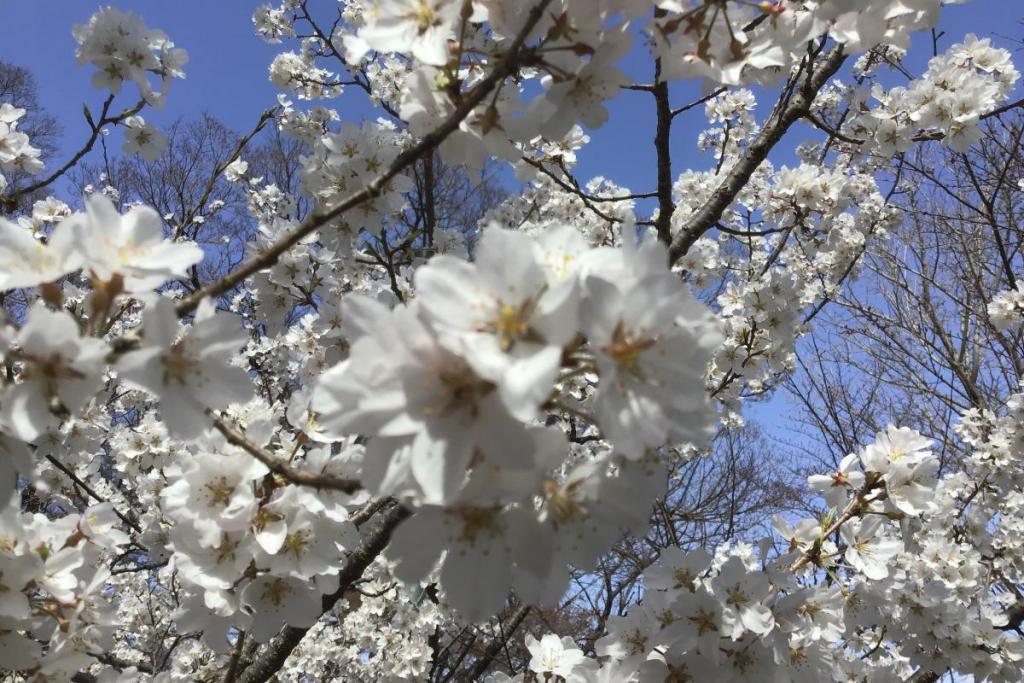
[220, 492]
[509, 324]
[478, 520]
[625, 349]
[275, 592]
[425, 16]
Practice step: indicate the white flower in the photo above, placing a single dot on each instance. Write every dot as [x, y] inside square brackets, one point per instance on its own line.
[17, 651]
[131, 245]
[58, 576]
[143, 139]
[215, 491]
[271, 24]
[867, 551]
[15, 457]
[16, 154]
[837, 486]
[399, 381]
[742, 594]
[696, 622]
[581, 89]
[27, 262]
[482, 545]
[421, 28]
[678, 665]
[502, 316]
[50, 210]
[99, 523]
[630, 638]
[553, 656]
[276, 601]
[891, 138]
[652, 341]
[1006, 308]
[304, 544]
[894, 445]
[191, 373]
[675, 570]
[911, 485]
[216, 567]
[16, 572]
[236, 170]
[815, 612]
[9, 113]
[122, 47]
[61, 370]
[802, 537]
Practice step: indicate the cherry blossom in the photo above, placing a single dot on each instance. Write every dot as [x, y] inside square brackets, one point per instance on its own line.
[130, 245]
[28, 262]
[143, 139]
[190, 373]
[364, 440]
[60, 371]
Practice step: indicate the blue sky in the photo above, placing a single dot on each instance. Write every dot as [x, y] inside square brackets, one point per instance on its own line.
[227, 73]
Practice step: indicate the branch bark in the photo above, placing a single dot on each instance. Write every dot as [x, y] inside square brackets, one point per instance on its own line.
[85, 487]
[294, 475]
[737, 178]
[662, 145]
[94, 136]
[495, 647]
[281, 646]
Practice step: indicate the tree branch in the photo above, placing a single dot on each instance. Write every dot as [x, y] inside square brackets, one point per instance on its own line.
[294, 475]
[505, 67]
[797, 107]
[495, 647]
[190, 215]
[97, 130]
[281, 646]
[662, 146]
[88, 489]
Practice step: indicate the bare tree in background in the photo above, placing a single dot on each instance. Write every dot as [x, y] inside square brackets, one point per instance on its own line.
[727, 495]
[912, 343]
[444, 200]
[18, 88]
[186, 186]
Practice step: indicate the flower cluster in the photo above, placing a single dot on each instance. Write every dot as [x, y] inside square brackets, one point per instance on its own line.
[451, 386]
[842, 599]
[16, 152]
[53, 588]
[960, 85]
[1007, 308]
[123, 48]
[345, 163]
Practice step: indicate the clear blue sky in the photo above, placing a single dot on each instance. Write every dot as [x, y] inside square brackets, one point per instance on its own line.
[227, 72]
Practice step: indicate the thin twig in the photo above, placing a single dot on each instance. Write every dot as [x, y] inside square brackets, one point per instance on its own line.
[505, 67]
[294, 475]
[88, 489]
